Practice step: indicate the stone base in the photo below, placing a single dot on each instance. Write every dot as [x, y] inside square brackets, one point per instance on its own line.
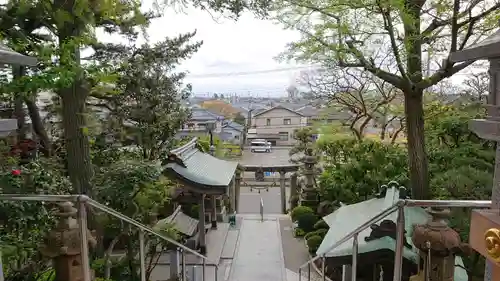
[221, 216]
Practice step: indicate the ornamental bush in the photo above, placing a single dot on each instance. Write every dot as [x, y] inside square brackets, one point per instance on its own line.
[321, 224]
[299, 211]
[306, 221]
[313, 243]
[320, 232]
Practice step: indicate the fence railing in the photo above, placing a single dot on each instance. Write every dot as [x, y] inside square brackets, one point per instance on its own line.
[83, 201]
[400, 223]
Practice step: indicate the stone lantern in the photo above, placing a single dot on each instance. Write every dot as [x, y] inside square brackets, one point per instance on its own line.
[309, 194]
[63, 245]
[438, 245]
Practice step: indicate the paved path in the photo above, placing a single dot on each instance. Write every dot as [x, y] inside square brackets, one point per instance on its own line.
[295, 253]
[259, 256]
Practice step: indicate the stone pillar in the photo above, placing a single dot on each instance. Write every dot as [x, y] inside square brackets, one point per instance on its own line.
[489, 129]
[63, 245]
[237, 186]
[232, 196]
[201, 225]
[175, 264]
[438, 244]
[283, 191]
[213, 215]
[293, 191]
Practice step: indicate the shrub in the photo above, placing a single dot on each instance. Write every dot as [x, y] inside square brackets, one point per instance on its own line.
[320, 232]
[299, 232]
[299, 211]
[309, 235]
[313, 243]
[321, 224]
[306, 221]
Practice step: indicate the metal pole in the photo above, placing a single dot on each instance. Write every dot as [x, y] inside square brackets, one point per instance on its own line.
[398, 257]
[82, 222]
[203, 273]
[183, 264]
[354, 266]
[216, 273]
[323, 268]
[300, 274]
[261, 210]
[142, 255]
[309, 272]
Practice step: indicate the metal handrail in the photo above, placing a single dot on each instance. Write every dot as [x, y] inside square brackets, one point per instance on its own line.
[400, 231]
[142, 227]
[353, 233]
[84, 200]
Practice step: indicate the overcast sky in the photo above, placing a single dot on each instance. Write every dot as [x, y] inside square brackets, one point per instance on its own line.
[247, 45]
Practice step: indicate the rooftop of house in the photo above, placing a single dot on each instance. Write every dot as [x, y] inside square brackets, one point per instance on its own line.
[9, 56]
[234, 125]
[201, 114]
[278, 107]
[7, 127]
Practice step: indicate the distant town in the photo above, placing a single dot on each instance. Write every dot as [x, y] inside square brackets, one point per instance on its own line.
[241, 119]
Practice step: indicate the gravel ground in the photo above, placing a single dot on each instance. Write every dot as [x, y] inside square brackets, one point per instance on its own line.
[294, 250]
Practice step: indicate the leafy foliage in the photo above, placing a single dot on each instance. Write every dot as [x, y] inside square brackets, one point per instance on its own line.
[461, 165]
[299, 211]
[356, 169]
[304, 143]
[306, 221]
[24, 223]
[313, 243]
[388, 40]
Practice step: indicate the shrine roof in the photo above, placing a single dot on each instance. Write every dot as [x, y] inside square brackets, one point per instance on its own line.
[349, 217]
[191, 165]
[181, 222]
[9, 56]
[488, 48]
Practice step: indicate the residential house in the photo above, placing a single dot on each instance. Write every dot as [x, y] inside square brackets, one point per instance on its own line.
[200, 120]
[233, 132]
[277, 125]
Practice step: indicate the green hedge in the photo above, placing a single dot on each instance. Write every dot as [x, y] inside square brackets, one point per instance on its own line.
[320, 232]
[299, 211]
[321, 224]
[306, 221]
[313, 243]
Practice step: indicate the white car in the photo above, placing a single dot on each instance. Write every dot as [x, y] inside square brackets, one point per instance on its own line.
[260, 146]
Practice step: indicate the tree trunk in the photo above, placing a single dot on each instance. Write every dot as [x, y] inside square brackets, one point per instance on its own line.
[73, 99]
[76, 139]
[416, 145]
[17, 73]
[37, 124]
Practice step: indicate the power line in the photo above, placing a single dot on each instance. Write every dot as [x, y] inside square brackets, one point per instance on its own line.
[242, 73]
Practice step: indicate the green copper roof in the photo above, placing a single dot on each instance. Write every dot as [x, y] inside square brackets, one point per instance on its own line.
[199, 168]
[348, 217]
